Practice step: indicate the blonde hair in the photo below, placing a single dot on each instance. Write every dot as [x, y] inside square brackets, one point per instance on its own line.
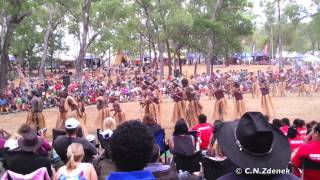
[75, 154]
[109, 123]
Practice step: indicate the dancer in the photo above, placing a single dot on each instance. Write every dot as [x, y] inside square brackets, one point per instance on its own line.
[254, 85]
[266, 103]
[194, 108]
[151, 105]
[103, 110]
[282, 84]
[74, 111]
[118, 115]
[307, 85]
[63, 110]
[35, 116]
[179, 110]
[220, 107]
[240, 107]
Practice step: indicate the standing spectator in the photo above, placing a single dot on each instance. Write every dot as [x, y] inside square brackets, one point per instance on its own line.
[61, 143]
[182, 142]
[205, 131]
[131, 149]
[309, 152]
[151, 124]
[27, 161]
[253, 143]
[75, 169]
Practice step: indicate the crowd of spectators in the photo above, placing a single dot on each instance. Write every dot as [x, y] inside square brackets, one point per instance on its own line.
[225, 150]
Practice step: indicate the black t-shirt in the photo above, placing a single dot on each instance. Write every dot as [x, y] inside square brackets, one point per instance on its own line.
[61, 144]
[27, 162]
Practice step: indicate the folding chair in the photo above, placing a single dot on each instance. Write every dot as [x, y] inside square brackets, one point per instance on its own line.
[214, 169]
[104, 142]
[307, 166]
[188, 163]
[159, 138]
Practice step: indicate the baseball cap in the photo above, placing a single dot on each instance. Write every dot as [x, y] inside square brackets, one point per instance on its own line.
[72, 123]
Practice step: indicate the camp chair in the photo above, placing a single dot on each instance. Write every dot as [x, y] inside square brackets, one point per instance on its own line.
[188, 163]
[159, 138]
[214, 169]
[308, 165]
[194, 134]
[57, 132]
[104, 142]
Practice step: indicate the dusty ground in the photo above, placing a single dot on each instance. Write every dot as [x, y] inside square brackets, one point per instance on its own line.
[307, 108]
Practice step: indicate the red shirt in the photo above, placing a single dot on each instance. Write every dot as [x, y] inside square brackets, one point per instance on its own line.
[296, 142]
[284, 129]
[205, 130]
[302, 131]
[309, 151]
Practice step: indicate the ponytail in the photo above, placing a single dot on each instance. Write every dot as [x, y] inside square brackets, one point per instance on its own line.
[75, 154]
[71, 164]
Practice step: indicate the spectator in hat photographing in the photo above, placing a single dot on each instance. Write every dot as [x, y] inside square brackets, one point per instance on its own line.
[259, 150]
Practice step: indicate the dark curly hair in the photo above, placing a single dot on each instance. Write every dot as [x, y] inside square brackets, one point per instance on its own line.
[131, 146]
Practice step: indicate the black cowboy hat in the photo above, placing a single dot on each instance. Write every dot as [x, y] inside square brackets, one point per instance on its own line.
[252, 142]
[30, 142]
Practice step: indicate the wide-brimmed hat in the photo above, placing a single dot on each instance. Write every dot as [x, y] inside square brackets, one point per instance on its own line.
[252, 142]
[30, 142]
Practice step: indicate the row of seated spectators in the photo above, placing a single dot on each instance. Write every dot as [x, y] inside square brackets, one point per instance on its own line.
[139, 150]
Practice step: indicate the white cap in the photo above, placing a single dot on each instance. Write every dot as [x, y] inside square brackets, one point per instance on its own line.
[11, 144]
[72, 123]
[91, 137]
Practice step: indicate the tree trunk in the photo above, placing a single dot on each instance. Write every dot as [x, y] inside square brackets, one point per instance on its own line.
[169, 57]
[210, 42]
[5, 57]
[83, 42]
[161, 60]
[45, 45]
[179, 61]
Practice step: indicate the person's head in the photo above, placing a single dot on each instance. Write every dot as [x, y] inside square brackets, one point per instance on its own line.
[316, 132]
[75, 154]
[292, 132]
[155, 153]
[109, 123]
[24, 128]
[298, 123]
[180, 128]
[131, 146]
[202, 118]
[310, 125]
[30, 142]
[276, 123]
[148, 120]
[71, 126]
[285, 121]
[252, 141]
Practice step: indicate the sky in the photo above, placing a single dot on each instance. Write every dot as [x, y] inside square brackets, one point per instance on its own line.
[257, 10]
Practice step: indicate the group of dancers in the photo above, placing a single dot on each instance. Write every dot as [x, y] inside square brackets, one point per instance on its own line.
[185, 93]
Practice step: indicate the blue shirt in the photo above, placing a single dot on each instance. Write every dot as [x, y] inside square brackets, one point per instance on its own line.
[132, 175]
